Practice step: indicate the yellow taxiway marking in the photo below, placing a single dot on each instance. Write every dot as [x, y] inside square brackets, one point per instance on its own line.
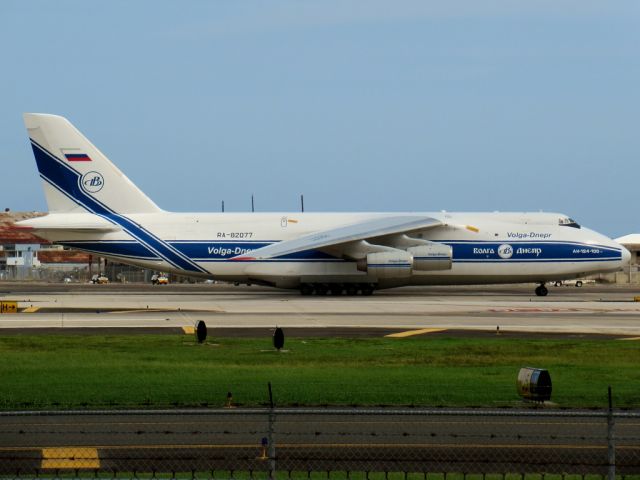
[629, 338]
[78, 457]
[410, 333]
[31, 310]
[189, 330]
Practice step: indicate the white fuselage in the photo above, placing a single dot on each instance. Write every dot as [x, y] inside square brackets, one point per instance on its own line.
[95, 207]
[487, 247]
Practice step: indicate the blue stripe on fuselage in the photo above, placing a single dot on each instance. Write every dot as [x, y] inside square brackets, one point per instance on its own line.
[211, 251]
[219, 250]
[532, 251]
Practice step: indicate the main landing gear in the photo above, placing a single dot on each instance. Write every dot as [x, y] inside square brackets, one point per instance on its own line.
[350, 289]
[541, 290]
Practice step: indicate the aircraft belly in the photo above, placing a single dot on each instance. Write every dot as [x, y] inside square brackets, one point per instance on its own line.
[291, 269]
[461, 273]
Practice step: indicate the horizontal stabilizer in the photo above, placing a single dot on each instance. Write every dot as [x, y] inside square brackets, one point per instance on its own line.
[77, 222]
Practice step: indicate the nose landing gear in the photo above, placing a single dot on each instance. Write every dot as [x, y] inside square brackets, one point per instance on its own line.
[541, 290]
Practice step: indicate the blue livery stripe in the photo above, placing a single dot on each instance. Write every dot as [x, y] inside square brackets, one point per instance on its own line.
[221, 252]
[555, 260]
[537, 251]
[207, 251]
[519, 242]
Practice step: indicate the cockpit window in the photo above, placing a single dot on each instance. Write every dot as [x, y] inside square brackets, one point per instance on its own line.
[568, 222]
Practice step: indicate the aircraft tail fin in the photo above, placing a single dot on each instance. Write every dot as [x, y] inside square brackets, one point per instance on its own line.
[77, 177]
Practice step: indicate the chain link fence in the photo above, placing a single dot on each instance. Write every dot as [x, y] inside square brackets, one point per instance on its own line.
[367, 444]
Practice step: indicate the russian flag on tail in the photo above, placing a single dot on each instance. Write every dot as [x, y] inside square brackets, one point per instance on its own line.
[77, 157]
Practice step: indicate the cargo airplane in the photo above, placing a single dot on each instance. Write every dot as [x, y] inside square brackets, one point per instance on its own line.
[94, 207]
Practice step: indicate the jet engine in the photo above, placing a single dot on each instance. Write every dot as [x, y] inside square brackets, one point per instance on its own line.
[389, 264]
[433, 256]
[402, 262]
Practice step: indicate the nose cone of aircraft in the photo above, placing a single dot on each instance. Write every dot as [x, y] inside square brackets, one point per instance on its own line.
[598, 238]
[626, 255]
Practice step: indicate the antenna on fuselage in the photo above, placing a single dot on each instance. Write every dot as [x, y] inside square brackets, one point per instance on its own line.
[222, 206]
[252, 206]
[302, 202]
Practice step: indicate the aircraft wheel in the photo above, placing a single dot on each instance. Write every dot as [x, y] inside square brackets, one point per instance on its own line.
[366, 290]
[579, 283]
[351, 290]
[336, 289]
[542, 291]
[306, 289]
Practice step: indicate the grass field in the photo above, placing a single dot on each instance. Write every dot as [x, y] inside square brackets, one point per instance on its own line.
[163, 370]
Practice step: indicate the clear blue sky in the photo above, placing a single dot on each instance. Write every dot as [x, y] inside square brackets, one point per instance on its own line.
[360, 105]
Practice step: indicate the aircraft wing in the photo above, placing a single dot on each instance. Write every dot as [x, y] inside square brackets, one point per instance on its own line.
[342, 235]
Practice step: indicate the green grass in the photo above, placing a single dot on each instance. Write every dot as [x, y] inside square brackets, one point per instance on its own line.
[58, 371]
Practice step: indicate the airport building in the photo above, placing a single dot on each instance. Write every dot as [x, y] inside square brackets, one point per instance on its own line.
[18, 248]
[630, 274]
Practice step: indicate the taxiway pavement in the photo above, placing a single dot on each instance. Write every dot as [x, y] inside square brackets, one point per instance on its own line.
[608, 310]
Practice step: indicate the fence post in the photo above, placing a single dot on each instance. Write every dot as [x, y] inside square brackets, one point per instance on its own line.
[272, 447]
[611, 444]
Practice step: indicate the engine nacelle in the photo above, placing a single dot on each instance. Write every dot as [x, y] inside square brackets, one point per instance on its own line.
[435, 256]
[393, 264]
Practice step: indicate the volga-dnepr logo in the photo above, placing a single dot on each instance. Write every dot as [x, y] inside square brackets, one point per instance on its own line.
[505, 251]
[92, 182]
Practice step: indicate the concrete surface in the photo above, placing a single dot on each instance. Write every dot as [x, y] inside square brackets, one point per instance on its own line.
[587, 310]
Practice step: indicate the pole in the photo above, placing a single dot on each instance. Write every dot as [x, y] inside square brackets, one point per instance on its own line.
[271, 397]
[611, 444]
[272, 447]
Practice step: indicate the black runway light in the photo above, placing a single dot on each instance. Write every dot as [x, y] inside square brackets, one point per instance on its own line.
[278, 339]
[201, 331]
